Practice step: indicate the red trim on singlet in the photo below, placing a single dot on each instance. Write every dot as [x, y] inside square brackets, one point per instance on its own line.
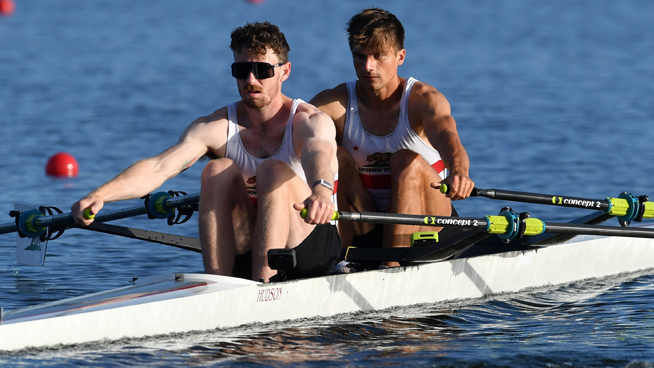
[384, 181]
[439, 166]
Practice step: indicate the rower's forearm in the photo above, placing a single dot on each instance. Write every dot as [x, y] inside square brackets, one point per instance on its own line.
[453, 153]
[317, 163]
[318, 170]
[460, 163]
[135, 182]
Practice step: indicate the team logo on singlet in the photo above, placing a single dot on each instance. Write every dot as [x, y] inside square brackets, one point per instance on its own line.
[251, 185]
[376, 174]
[378, 162]
[379, 159]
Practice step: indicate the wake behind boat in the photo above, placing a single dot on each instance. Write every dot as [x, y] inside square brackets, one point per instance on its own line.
[472, 265]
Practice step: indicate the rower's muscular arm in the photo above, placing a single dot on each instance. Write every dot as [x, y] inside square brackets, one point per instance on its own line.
[316, 134]
[150, 173]
[430, 112]
[333, 102]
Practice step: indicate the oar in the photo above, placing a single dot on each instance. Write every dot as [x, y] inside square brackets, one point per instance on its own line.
[627, 206]
[507, 225]
[178, 241]
[160, 205]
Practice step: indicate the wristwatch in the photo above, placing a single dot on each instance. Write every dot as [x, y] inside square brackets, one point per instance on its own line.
[324, 183]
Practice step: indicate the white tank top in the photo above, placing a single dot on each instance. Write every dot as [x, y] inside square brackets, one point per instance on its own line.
[372, 153]
[248, 164]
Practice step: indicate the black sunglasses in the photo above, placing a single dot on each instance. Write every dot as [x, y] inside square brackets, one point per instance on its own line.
[241, 70]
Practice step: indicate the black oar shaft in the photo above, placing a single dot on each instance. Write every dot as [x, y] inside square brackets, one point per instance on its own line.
[565, 201]
[8, 228]
[175, 202]
[627, 207]
[419, 220]
[483, 224]
[183, 242]
[631, 232]
[67, 218]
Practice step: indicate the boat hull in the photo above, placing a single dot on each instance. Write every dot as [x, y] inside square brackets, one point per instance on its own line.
[187, 302]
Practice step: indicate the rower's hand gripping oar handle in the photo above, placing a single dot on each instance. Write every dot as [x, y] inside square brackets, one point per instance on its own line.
[476, 192]
[304, 212]
[88, 215]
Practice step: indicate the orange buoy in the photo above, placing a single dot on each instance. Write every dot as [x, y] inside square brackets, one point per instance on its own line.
[62, 164]
[7, 7]
[255, 1]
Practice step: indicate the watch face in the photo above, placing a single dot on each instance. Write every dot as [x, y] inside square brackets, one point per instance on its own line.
[324, 183]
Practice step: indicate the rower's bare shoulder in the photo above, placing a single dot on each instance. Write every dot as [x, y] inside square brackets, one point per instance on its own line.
[425, 97]
[311, 121]
[207, 124]
[216, 118]
[426, 93]
[307, 113]
[210, 131]
[332, 101]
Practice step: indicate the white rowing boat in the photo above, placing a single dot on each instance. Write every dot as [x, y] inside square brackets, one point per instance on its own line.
[190, 302]
[187, 302]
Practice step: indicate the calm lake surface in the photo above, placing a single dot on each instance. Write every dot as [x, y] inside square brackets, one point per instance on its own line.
[550, 97]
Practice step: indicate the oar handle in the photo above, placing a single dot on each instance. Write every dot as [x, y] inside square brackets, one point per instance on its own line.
[304, 212]
[88, 215]
[476, 192]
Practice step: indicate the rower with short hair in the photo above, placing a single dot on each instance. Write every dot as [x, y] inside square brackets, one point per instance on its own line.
[397, 138]
[274, 156]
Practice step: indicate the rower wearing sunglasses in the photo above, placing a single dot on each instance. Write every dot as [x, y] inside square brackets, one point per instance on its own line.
[397, 138]
[273, 156]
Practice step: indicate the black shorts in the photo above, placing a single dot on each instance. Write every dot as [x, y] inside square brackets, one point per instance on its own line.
[375, 237]
[316, 255]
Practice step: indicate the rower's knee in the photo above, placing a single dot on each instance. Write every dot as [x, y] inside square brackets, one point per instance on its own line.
[219, 173]
[408, 166]
[405, 159]
[271, 174]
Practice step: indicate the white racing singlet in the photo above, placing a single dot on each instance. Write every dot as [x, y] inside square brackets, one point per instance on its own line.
[372, 153]
[248, 164]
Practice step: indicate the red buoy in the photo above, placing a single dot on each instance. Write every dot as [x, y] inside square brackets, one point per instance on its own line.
[255, 1]
[62, 164]
[7, 7]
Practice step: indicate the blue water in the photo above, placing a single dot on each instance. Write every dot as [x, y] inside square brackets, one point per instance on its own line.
[552, 97]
